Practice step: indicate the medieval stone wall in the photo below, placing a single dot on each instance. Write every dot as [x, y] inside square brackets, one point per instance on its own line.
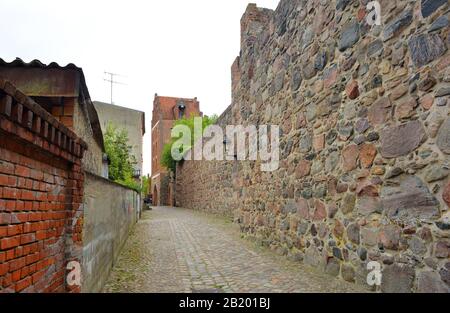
[365, 140]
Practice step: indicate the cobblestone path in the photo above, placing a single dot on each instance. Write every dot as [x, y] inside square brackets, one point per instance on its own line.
[178, 250]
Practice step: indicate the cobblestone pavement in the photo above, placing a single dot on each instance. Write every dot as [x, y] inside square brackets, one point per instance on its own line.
[178, 250]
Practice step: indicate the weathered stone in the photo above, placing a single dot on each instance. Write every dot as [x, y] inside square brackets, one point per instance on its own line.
[390, 237]
[387, 259]
[317, 167]
[362, 125]
[313, 257]
[333, 267]
[373, 136]
[427, 83]
[349, 36]
[427, 102]
[296, 79]
[290, 207]
[309, 71]
[362, 253]
[425, 234]
[331, 136]
[348, 203]
[379, 111]
[443, 139]
[342, 4]
[311, 112]
[398, 55]
[308, 37]
[332, 207]
[352, 90]
[302, 228]
[345, 131]
[429, 6]
[417, 246]
[401, 140]
[409, 198]
[350, 157]
[279, 81]
[439, 23]
[446, 194]
[442, 225]
[284, 225]
[348, 273]
[368, 205]
[406, 109]
[331, 161]
[321, 60]
[430, 282]
[313, 230]
[442, 92]
[319, 142]
[434, 121]
[303, 169]
[320, 212]
[397, 25]
[337, 253]
[369, 236]
[320, 191]
[367, 155]
[353, 233]
[330, 76]
[338, 229]
[397, 278]
[425, 48]
[306, 143]
[348, 63]
[436, 172]
[374, 47]
[303, 209]
[341, 188]
[399, 92]
[442, 250]
[441, 102]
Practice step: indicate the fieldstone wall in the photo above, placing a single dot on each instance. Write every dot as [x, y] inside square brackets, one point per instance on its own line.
[365, 143]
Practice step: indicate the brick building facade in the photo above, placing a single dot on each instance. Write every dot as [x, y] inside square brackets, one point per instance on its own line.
[51, 162]
[166, 110]
[41, 188]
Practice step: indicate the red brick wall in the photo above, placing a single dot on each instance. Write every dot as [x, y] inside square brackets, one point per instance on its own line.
[41, 188]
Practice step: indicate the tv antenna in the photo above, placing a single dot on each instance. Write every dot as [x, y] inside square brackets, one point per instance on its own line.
[113, 82]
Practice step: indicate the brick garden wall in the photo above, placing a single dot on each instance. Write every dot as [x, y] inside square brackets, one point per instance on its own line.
[365, 143]
[41, 188]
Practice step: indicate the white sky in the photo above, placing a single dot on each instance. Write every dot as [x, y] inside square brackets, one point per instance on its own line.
[181, 48]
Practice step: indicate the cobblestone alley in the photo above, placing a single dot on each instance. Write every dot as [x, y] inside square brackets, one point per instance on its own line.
[178, 250]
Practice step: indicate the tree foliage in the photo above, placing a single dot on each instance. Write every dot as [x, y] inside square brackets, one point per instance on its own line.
[167, 160]
[146, 183]
[122, 162]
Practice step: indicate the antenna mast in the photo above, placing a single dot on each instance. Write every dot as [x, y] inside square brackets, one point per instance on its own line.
[112, 81]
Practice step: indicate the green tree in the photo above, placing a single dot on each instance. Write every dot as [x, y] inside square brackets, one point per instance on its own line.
[122, 162]
[146, 183]
[167, 160]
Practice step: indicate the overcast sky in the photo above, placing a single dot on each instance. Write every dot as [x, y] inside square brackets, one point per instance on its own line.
[181, 48]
